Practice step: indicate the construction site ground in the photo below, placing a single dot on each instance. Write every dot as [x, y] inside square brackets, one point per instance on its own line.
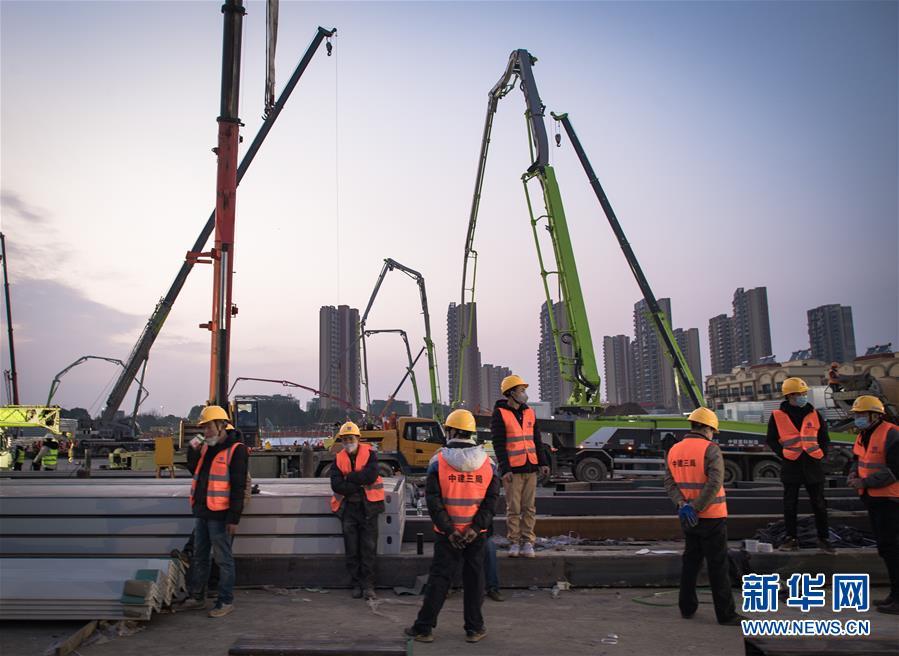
[579, 621]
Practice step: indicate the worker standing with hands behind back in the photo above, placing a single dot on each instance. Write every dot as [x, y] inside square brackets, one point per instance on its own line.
[358, 500]
[461, 491]
[875, 474]
[694, 479]
[516, 442]
[217, 492]
[798, 434]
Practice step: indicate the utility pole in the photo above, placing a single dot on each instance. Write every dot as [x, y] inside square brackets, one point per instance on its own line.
[226, 197]
[13, 376]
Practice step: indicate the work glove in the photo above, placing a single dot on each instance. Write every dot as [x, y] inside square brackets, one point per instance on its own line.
[457, 540]
[688, 516]
[470, 535]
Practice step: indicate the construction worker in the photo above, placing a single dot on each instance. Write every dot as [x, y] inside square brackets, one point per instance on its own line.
[694, 479]
[48, 456]
[358, 500]
[220, 463]
[875, 474]
[797, 433]
[461, 490]
[516, 439]
[19, 459]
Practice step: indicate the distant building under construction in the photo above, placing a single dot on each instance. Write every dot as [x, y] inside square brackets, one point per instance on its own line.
[339, 360]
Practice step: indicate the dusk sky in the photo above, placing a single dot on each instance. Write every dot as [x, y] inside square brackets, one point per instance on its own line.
[741, 144]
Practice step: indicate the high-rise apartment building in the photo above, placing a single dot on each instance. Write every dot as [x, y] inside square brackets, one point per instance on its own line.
[458, 320]
[831, 334]
[553, 388]
[618, 364]
[339, 361]
[653, 373]
[752, 328]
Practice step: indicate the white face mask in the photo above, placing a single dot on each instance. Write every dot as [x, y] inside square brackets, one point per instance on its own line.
[521, 398]
[212, 441]
[350, 447]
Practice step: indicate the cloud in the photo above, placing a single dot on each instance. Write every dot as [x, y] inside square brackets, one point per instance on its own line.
[12, 202]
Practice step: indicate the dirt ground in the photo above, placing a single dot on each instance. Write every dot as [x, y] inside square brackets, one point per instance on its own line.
[610, 622]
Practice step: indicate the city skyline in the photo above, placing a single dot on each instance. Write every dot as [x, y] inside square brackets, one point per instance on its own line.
[709, 147]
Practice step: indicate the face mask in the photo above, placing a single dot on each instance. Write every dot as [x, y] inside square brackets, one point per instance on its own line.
[212, 441]
[800, 401]
[350, 447]
[862, 423]
[521, 398]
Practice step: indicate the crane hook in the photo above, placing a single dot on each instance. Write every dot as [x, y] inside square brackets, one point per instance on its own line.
[328, 46]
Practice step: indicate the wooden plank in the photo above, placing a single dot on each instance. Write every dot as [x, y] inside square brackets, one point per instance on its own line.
[70, 644]
[299, 646]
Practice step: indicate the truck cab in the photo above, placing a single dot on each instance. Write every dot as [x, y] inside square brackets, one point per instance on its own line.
[408, 447]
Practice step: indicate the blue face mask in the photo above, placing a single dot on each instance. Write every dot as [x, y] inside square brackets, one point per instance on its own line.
[862, 423]
[800, 401]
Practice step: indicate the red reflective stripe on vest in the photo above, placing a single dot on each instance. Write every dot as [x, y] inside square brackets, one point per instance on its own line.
[218, 486]
[373, 492]
[686, 462]
[874, 460]
[520, 448]
[462, 492]
[794, 441]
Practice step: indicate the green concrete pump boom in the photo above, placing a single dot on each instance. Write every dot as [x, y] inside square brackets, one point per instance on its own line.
[410, 369]
[663, 327]
[391, 265]
[580, 369]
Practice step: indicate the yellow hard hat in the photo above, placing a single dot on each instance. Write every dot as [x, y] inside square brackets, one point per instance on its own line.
[461, 420]
[213, 412]
[705, 417]
[868, 403]
[794, 386]
[511, 381]
[349, 428]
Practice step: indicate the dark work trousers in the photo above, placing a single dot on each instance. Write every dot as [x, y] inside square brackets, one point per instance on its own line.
[706, 540]
[791, 507]
[884, 515]
[443, 567]
[360, 542]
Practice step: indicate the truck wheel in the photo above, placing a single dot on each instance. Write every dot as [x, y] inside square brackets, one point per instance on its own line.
[591, 470]
[385, 470]
[766, 470]
[732, 472]
[325, 472]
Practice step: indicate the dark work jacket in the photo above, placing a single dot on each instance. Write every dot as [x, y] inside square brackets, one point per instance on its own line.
[237, 471]
[483, 519]
[350, 486]
[892, 461]
[498, 432]
[804, 469]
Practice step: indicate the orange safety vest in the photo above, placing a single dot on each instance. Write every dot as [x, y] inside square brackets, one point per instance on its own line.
[874, 459]
[218, 488]
[373, 492]
[463, 492]
[794, 441]
[686, 462]
[520, 437]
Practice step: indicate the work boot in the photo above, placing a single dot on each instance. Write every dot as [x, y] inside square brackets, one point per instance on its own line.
[825, 546]
[369, 594]
[220, 610]
[357, 592]
[790, 544]
[419, 636]
[733, 620]
[475, 636]
[891, 608]
[495, 594]
[527, 551]
[514, 550]
[192, 603]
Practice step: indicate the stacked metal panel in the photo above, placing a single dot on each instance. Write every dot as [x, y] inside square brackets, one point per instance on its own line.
[87, 588]
[82, 517]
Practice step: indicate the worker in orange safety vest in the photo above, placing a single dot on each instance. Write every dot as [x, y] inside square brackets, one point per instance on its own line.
[461, 490]
[798, 434]
[358, 500]
[694, 480]
[875, 474]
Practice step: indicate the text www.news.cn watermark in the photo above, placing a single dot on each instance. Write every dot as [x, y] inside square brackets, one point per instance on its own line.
[849, 592]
